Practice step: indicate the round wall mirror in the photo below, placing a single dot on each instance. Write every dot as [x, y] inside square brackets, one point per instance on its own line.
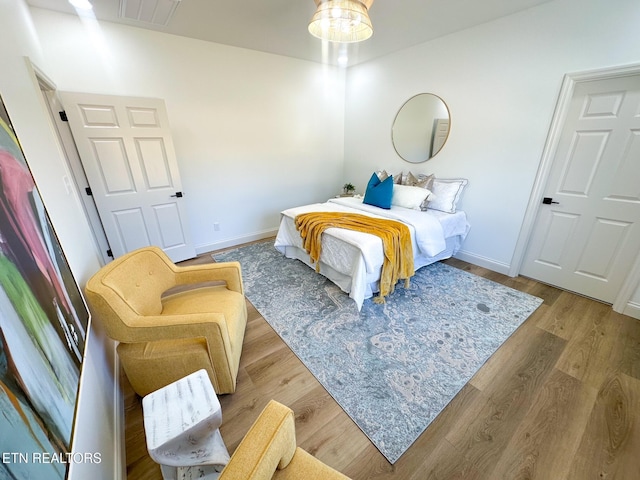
[421, 128]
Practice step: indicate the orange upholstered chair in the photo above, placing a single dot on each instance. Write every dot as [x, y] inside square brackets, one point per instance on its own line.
[171, 320]
[269, 451]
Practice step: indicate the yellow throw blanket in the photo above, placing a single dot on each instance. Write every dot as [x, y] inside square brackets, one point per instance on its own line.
[396, 242]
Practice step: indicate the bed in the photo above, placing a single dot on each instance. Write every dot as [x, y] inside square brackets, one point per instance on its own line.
[353, 260]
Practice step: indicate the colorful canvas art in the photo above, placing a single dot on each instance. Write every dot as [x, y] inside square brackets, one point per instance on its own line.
[43, 325]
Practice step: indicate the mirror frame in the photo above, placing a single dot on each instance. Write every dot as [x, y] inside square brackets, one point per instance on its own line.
[428, 125]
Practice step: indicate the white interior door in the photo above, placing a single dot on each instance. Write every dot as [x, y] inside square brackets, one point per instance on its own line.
[440, 134]
[127, 152]
[588, 241]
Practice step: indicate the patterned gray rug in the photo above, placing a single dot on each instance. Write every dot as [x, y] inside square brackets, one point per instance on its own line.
[391, 367]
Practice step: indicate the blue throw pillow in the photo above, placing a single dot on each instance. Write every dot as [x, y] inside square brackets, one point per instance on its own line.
[379, 193]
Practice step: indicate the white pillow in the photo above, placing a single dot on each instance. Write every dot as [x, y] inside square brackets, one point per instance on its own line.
[409, 197]
[422, 180]
[447, 192]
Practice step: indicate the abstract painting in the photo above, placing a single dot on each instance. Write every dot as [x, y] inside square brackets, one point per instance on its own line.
[43, 325]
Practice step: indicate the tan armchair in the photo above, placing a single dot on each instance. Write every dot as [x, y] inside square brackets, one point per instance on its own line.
[269, 451]
[166, 336]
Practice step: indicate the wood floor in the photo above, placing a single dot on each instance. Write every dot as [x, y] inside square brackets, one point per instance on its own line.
[559, 400]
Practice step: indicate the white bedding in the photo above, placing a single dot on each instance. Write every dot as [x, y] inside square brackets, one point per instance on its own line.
[353, 260]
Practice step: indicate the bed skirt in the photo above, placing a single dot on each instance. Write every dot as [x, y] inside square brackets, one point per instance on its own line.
[351, 276]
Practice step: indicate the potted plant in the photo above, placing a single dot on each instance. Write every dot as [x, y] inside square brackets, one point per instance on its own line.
[348, 189]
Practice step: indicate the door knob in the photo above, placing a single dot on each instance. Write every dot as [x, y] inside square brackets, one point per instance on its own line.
[548, 201]
[178, 194]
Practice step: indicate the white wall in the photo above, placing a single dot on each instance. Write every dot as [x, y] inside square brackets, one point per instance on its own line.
[501, 82]
[96, 423]
[254, 133]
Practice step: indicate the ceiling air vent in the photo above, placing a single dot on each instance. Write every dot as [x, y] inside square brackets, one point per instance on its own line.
[156, 12]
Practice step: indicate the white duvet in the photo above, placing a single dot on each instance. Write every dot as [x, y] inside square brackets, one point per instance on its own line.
[353, 260]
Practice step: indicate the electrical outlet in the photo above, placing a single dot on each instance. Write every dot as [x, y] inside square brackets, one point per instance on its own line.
[216, 227]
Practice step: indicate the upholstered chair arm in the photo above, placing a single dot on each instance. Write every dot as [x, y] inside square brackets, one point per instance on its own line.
[270, 444]
[211, 326]
[228, 272]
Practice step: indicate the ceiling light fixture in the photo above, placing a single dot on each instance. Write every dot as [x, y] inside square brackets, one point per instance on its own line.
[342, 21]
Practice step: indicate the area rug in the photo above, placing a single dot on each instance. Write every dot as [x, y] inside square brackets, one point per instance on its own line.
[391, 367]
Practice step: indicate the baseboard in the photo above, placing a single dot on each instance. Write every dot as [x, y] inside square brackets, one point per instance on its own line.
[484, 262]
[119, 446]
[633, 310]
[232, 242]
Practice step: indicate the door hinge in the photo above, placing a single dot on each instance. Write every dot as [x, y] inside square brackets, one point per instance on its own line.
[88, 191]
[63, 116]
[109, 253]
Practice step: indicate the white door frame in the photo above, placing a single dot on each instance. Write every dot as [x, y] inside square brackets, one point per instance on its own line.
[65, 141]
[632, 281]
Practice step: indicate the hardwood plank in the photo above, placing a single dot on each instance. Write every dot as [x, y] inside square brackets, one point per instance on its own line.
[560, 320]
[550, 432]
[628, 342]
[370, 464]
[139, 464]
[313, 411]
[238, 414]
[282, 376]
[145, 469]
[548, 293]
[260, 341]
[482, 435]
[447, 463]
[590, 346]
[337, 442]
[610, 446]
[494, 366]
[134, 433]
